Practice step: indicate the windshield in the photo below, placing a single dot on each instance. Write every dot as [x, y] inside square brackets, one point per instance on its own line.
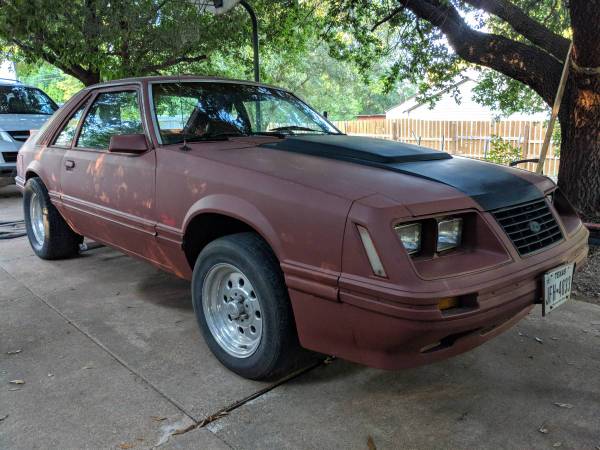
[197, 111]
[25, 100]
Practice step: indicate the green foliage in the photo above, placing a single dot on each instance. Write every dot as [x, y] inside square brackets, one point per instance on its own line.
[502, 152]
[418, 52]
[356, 31]
[312, 73]
[557, 138]
[325, 83]
[96, 40]
[505, 95]
[59, 86]
[340, 55]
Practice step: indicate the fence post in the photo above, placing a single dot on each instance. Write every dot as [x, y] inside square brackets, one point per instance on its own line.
[486, 148]
[525, 145]
[455, 135]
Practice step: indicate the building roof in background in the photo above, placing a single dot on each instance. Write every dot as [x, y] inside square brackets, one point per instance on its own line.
[446, 108]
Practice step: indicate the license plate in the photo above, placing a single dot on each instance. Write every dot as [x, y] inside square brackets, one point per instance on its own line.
[557, 287]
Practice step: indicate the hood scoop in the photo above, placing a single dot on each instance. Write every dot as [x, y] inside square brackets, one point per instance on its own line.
[490, 185]
[357, 149]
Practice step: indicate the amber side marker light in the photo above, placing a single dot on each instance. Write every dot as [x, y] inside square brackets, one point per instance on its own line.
[448, 303]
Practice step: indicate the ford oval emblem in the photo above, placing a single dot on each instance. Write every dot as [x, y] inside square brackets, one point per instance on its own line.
[535, 227]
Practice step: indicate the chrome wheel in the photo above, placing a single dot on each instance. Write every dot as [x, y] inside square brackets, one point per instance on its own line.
[36, 217]
[232, 310]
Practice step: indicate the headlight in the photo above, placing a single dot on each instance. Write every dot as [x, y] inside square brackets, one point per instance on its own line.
[410, 235]
[5, 137]
[449, 234]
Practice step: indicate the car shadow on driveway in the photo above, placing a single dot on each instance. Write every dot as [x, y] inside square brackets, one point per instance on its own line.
[166, 290]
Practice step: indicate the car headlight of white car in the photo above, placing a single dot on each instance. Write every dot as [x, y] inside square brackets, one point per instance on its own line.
[5, 137]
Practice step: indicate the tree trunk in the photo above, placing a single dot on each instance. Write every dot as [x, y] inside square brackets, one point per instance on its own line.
[90, 78]
[579, 175]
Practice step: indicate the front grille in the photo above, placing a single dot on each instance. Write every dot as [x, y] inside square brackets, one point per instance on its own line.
[21, 135]
[530, 226]
[10, 157]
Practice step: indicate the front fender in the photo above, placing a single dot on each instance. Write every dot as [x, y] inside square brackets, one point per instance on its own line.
[236, 208]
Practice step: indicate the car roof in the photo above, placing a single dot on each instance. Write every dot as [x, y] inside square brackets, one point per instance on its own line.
[12, 82]
[9, 81]
[183, 78]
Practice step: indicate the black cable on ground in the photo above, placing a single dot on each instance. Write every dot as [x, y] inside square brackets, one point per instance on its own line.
[12, 229]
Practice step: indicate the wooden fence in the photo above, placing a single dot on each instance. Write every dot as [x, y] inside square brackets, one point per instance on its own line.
[472, 139]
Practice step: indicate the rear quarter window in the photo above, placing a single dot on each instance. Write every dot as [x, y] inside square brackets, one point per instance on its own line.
[67, 134]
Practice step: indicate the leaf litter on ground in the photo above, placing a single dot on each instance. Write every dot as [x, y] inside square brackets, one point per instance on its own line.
[563, 405]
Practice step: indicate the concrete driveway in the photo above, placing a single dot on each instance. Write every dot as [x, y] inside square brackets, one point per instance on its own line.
[110, 357]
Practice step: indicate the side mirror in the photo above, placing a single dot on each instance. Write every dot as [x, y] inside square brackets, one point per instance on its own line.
[325, 114]
[128, 143]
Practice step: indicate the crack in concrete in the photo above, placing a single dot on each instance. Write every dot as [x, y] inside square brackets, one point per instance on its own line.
[237, 404]
[196, 423]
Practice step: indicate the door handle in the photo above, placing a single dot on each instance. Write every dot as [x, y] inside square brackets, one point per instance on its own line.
[69, 164]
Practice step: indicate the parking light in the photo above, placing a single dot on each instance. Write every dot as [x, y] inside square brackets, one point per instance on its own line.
[448, 303]
[371, 251]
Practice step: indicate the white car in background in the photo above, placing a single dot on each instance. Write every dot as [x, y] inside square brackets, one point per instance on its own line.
[22, 109]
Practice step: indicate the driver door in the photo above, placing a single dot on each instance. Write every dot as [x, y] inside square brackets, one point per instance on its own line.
[110, 196]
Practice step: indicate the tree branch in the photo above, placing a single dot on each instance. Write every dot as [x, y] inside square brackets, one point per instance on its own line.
[386, 18]
[529, 28]
[77, 71]
[526, 63]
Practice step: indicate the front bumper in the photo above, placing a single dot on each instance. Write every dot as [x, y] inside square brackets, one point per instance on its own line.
[379, 327]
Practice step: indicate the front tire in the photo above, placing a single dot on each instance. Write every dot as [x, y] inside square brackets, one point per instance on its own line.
[242, 306]
[49, 235]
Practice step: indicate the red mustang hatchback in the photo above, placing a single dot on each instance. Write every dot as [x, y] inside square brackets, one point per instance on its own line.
[292, 233]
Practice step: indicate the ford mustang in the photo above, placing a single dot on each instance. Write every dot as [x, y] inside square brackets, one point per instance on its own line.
[293, 234]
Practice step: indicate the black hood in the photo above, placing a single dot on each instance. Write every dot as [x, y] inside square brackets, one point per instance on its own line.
[490, 185]
[357, 149]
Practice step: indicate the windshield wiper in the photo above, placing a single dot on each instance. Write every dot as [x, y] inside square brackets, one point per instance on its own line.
[298, 128]
[269, 133]
[210, 137]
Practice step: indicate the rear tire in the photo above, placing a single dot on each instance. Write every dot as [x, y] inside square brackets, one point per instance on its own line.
[243, 309]
[49, 235]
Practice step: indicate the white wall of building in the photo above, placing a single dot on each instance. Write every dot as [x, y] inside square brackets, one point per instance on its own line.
[7, 70]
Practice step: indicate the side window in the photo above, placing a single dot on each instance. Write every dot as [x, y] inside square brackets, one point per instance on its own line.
[112, 113]
[65, 137]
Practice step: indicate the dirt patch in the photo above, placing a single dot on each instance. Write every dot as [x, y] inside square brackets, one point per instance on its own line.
[586, 284]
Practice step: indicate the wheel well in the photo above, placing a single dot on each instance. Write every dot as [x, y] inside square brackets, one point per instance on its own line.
[207, 227]
[30, 174]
